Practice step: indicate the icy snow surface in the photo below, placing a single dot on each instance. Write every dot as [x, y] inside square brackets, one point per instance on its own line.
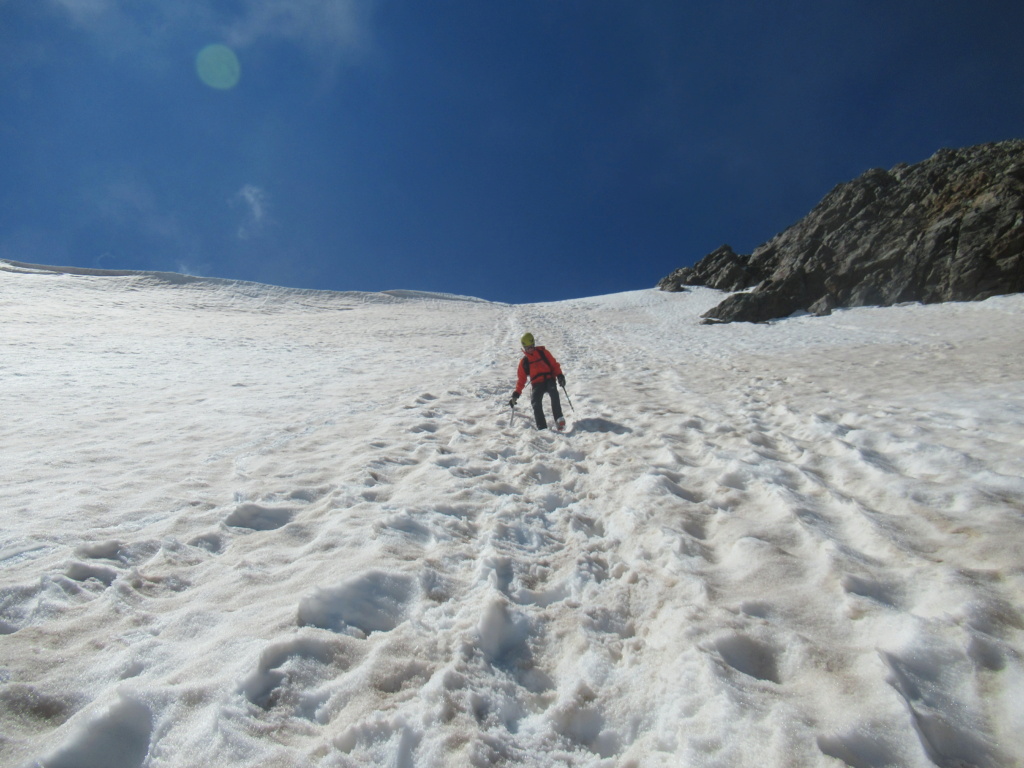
[250, 526]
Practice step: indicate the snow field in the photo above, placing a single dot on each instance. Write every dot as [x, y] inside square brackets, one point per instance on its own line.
[251, 526]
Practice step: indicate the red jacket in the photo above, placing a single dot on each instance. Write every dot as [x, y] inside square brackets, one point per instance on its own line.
[540, 365]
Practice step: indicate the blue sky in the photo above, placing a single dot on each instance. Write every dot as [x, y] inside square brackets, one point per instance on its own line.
[518, 151]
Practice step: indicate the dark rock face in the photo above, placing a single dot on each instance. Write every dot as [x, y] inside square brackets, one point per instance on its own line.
[721, 269]
[950, 228]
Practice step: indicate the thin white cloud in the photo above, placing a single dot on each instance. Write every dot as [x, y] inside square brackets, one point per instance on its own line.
[254, 202]
[83, 10]
[316, 24]
[330, 27]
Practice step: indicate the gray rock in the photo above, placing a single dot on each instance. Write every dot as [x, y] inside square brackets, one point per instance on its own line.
[721, 269]
[950, 228]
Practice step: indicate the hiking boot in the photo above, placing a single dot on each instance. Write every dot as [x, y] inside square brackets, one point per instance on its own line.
[560, 425]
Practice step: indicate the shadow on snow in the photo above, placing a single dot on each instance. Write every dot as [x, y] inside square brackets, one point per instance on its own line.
[601, 425]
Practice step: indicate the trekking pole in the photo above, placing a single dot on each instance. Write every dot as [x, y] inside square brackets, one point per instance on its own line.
[569, 399]
[513, 416]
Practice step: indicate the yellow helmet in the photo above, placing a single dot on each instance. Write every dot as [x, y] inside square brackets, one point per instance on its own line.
[527, 339]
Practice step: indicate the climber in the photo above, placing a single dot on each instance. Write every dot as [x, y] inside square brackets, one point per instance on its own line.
[543, 370]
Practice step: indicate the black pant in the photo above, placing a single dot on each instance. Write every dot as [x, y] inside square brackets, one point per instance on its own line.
[549, 387]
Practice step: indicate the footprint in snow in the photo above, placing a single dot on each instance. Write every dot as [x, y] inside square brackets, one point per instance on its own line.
[308, 495]
[502, 634]
[866, 745]
[736, 480]
[497, 488]
[500, 572]
[33, 708]
[871, 589]
[449, 461]
[469, 472]
[543, 474]
[588, 525]
[695, 528]
[79, 571]
[749, 656]
[289, 672]
[376, 601]
[259, 518]
[103, 573]
[211, 542]
[118, 552]
[550, 502]
[101, 550]
[582, 721]
[927, 679]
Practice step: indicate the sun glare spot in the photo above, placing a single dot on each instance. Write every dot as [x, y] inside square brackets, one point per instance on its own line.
[218, 67]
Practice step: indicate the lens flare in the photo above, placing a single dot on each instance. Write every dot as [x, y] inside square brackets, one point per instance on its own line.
[218, 67]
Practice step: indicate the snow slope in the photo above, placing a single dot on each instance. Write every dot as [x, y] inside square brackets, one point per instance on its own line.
[250, 526]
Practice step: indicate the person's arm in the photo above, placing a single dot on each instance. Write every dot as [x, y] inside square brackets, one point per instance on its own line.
[520, 378]
[555, 367]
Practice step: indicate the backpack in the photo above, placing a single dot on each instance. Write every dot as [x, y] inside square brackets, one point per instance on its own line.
[544, 357]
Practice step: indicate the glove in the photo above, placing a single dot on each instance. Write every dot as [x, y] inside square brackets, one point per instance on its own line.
[513, 400]
[561, 380]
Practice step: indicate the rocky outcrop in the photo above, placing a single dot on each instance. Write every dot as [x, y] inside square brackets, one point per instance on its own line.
[950, 228]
